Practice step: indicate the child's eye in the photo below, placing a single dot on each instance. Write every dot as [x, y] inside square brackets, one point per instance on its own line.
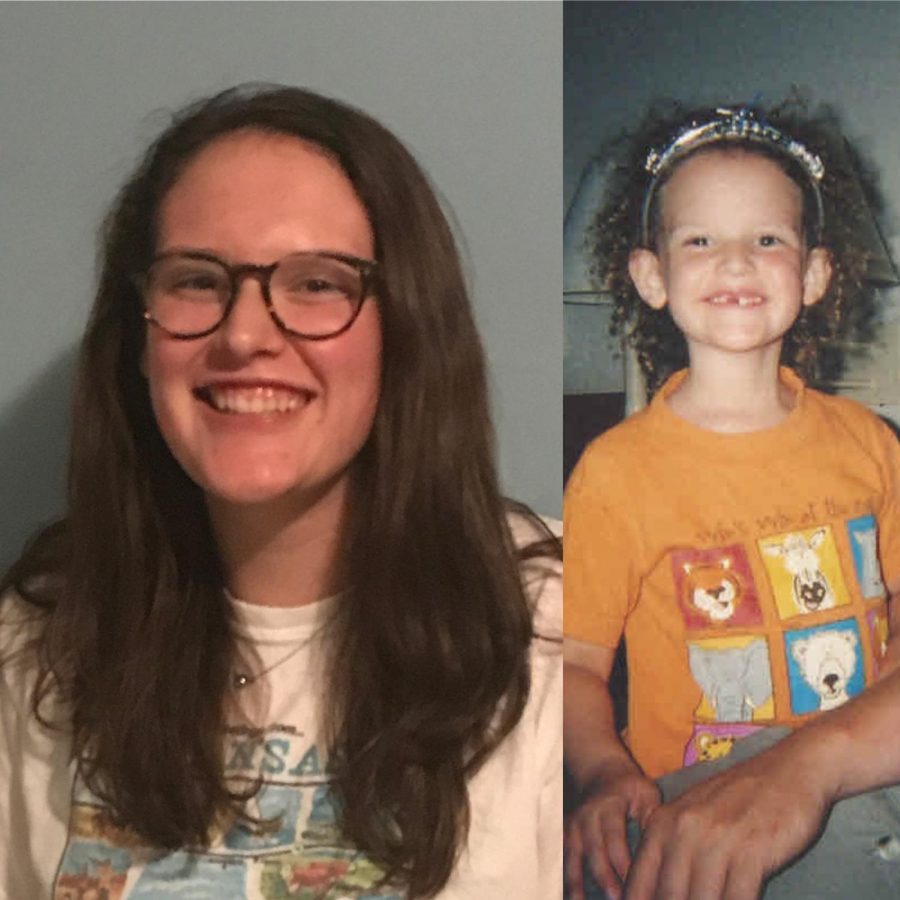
[769, 240]
[699, 240]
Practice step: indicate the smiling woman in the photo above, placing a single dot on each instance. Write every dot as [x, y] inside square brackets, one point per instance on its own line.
[289, 635]
[261, 197]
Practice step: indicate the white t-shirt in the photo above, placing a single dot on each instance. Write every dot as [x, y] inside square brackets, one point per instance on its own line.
[56, 841]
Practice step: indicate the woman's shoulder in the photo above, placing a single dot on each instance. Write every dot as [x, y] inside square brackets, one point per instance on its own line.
[21, 623]
[528, 528]
[21, 627]
[539, 542]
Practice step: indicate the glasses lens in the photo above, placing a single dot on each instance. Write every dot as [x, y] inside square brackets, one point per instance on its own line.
[185, 295]
[316, 295]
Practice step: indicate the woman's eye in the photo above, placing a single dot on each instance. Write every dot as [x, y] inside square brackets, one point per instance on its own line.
[197, 283]
[319, 285]
[314, 288]
[193, 283]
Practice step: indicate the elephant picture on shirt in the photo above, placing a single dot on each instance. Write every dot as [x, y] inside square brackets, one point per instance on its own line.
[735, 680]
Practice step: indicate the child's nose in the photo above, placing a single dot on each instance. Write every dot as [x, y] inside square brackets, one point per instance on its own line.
[736, 256]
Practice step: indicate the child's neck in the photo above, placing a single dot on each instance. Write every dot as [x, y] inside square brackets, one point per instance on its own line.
[733, 392]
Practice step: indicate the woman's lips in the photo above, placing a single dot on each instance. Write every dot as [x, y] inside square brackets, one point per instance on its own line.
[253, 399]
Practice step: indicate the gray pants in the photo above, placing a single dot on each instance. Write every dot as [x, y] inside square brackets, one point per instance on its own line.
[844, 863]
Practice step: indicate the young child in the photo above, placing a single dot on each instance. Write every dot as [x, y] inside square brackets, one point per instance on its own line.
[743, 531]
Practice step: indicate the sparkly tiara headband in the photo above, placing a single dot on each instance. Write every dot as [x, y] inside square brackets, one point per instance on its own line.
[729, 125]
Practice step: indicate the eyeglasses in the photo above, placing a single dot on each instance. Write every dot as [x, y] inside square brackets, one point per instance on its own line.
[309, 295]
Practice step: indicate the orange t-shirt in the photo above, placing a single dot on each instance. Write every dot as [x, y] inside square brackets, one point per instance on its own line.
[747, 571]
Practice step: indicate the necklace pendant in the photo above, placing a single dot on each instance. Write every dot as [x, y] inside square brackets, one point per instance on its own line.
[241, 680]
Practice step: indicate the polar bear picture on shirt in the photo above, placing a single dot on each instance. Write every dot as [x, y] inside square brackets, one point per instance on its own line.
[825, 666]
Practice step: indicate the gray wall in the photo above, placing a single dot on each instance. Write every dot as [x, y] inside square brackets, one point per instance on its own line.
[474, 89]
[621, 56]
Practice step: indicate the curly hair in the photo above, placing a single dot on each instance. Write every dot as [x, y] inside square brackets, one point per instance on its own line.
[813, 345]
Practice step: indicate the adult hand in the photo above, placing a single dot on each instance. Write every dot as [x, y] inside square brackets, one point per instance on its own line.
[722, 838]
[597, 829]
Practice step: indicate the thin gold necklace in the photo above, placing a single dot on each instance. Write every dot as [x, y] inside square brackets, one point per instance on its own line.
[240, 680]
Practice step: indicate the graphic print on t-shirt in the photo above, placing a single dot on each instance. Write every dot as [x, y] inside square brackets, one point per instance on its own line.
[804, 570]
[877, 621]
[296, 851]
[863, 535]
[715, 587]
[825, 665]
[713, 740]
[735, 676]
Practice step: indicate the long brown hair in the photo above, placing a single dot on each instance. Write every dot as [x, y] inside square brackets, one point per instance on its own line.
[137, 637]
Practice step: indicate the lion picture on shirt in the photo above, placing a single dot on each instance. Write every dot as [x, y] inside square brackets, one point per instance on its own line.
[715, 587]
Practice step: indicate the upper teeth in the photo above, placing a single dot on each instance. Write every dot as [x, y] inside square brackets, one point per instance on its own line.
[254, 400]
[741, 300]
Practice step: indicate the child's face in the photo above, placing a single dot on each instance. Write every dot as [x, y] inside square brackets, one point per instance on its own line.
[731, 260]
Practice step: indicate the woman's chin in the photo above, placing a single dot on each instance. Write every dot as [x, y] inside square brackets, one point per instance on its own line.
[246, 488]
[250, 493]
[260, 489]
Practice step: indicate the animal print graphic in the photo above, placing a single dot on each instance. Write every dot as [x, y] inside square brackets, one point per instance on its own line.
[863, 534]
[878, 629]
[714, 590]
[736, 678]
[715, 587]
[805, 572]
[825, 665]
[712, 740]
[710, 747]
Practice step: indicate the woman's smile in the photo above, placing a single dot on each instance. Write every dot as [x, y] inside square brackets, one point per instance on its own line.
[250, 411]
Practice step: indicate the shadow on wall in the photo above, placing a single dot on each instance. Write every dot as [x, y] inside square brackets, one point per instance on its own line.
[34, 432]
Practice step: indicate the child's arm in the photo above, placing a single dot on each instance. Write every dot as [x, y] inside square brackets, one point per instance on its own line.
[764, 812]
[615, 787]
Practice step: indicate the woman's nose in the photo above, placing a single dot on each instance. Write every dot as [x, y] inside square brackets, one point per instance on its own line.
[249, 328]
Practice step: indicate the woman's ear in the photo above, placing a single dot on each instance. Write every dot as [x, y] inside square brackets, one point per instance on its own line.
[817, 276]
[644, 269]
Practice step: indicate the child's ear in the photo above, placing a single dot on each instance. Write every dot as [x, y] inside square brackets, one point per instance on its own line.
[644, 269]
[817, 276]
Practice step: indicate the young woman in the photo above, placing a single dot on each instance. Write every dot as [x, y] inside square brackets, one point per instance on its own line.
[289, 640]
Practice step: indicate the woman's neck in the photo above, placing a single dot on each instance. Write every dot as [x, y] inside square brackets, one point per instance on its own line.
[733, 392]
[284, 552]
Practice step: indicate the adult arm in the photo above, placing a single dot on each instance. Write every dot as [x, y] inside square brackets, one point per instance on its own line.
[722, 838]
[613, 785]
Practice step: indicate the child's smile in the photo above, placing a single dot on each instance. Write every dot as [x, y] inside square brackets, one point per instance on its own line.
[734, 299]
[732, 263]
